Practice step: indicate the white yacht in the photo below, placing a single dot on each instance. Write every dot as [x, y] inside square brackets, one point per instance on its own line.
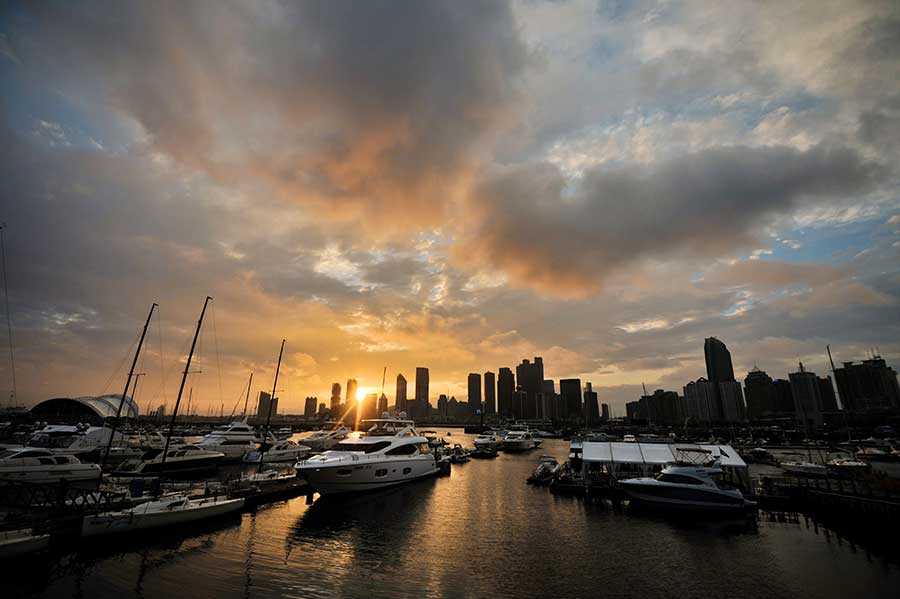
[518, 441]
[390, 453]
[15, 543]
[687, 486]
[185, 458]
[165, 511]
[42, 466]
[75, 440]
[488, 440]
[325, 439]
[234, 440]
[808, 469]
[280, 451]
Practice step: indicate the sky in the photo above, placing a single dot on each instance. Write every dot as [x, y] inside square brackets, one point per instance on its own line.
[456, 185]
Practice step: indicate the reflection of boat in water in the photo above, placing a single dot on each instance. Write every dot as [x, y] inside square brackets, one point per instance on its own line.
[165, 511]
[391, 452]
[41, 466]
[15, 543]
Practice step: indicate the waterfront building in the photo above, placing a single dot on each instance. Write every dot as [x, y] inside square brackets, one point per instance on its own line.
[604, 412]
[732, 399]
[718, 361]
[871, 385]
[422, 380]
[807, 400]
[335, 398]
[490, 393]
[700, 401]
[570, 394]
[309, 409]
[760, 391]
[262, 405]
[350, 399]
[474, 396]
[506, 388]
[826, 392]
[591, 407]
[784, 397]
[520, 398]
[530, 377]
[400, 395]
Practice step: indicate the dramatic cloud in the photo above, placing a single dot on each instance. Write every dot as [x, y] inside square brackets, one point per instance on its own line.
[566, 239]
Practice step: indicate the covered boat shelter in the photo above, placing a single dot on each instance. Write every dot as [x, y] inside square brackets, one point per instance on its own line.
[604, 463]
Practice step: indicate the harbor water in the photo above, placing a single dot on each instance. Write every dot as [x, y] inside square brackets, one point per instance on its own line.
[481, 532]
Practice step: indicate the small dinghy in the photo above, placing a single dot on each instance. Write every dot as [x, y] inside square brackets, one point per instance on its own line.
[165, 511]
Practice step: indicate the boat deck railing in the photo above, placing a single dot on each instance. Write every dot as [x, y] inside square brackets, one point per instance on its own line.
[786, 486]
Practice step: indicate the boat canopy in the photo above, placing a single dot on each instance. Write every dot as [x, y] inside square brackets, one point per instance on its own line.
[653, 453]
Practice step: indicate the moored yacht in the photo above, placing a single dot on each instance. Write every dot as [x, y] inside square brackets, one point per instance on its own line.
[390, 452]
[801, 468]
[41, 466]
[488, 439]
[164, 511]
[186, 458]
[325, 439]
[233, 439]
[518, 441]
[687, 486]
[281, 451]
[74, 440]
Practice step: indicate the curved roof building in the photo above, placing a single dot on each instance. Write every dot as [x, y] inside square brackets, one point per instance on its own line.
[91, 409]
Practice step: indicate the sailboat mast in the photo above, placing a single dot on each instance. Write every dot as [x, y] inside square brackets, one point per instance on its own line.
[184, 375]
[247, 399]
[265, 438]
[12, 355]
[115, 424]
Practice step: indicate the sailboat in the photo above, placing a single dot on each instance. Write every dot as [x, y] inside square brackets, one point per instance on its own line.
[168, 509]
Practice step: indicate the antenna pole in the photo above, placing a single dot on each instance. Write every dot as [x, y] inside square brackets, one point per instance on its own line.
[262, 454]
[12, 356]
[115, 424]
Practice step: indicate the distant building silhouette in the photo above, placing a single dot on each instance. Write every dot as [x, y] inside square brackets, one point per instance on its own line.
[262, 405]
[784, 397]
[661, 407]
[718, 361]
[322, 408]
[351, 392]
[442, 407]
[732, 401]
[530, 377]
[369, 407]
[400, 396]
[570, 395]
[335, 398]
[309, 409]
[807, 399]
[701, 402]
[760, 394]
[604, 411]
[591, 407]
[490, 393]
[871, 385]
[506, 388]
[423, 407]
[474, 392]
[826, 392]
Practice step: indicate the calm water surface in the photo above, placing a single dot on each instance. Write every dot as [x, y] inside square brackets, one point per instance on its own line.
[482, 532]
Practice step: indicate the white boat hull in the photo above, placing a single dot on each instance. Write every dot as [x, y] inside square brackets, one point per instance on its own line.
[144, 517]
[38, 475]
[21, 542]
[365, 475]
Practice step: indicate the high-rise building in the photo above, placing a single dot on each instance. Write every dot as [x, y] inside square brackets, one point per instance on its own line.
[604, 411]
[442, 406]
[423, 405]
[530, 377]
[570, 393]
[369, 407]
[591, 407]
[351, 392]
[826, 392]
[718, 361]
[760, 391]
[871, 385]
[700, 401]
[382, 405]
[506, 388]
[732, 399]
[262, 405]
[322, 408]
[400, 397]
[490, 393]
[784, 397]
[335, 398]
[309, 409]
[807, 399]
[551, 400]
[474, 392]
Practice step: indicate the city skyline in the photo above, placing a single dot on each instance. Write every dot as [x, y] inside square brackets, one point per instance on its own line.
[604, 186]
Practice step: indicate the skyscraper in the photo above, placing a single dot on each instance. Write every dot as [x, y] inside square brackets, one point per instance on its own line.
[871, 385]
[591, 408]
[760, 391]
[309, 409]
[700, 401]
[807, 399]
[369, 407]
[604, 411]
[732, 399]
[262, 405]
[351, 393]
[570, 393]
[335, 398]
[422, 404]
[506, 387]
[530, 377]
[382, 405]
[718, 361]
[826, 392]
[490, 393]
[474, 392]
[400, 397]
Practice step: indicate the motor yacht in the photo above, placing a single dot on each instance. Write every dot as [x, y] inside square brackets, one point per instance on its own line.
[15, 543]
[488, 439]
[458, 454]
[42, 466]
[390, 452]
[77, 440]
[234, 440]
[281, 451]
[803, 468]
[325, 439]
[884, 462]
[518, 441]
[544, 472]
[847, 467]
[187, 458]
[165, 511]
[687, 486]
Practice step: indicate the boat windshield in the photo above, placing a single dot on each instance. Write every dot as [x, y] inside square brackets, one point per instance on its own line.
[361, 447]
[666, 477]
[49, 441]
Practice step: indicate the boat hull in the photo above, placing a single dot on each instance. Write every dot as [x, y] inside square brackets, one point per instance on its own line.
[173, 466]
[38, 476]
[21, 542]
[333, 479]
[523, 445]
[679, 497]
[137, 520]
